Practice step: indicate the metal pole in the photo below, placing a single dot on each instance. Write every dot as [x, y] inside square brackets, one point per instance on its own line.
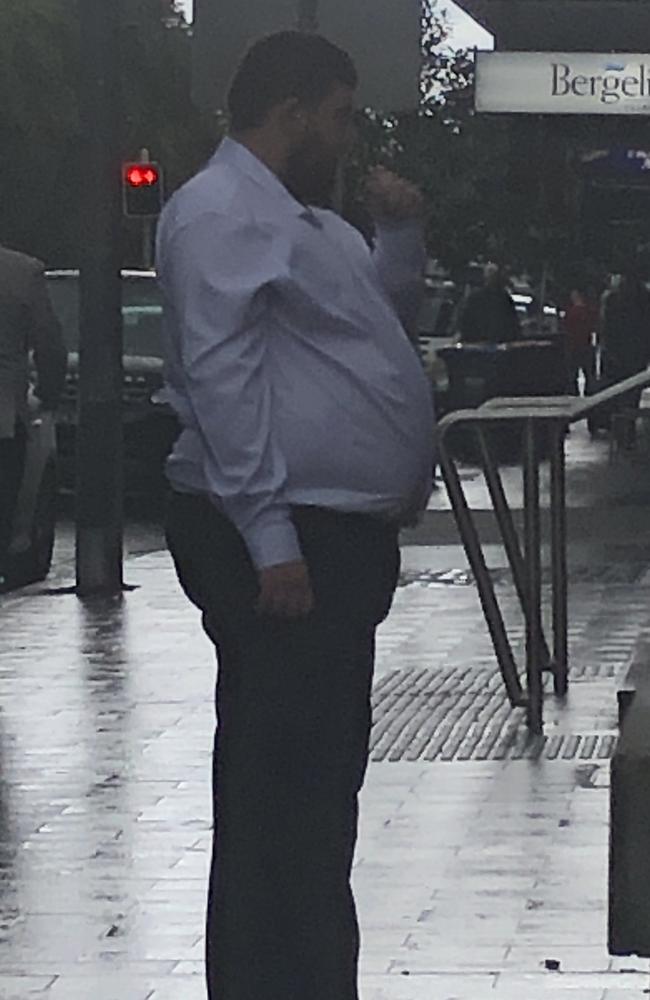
[534, 578]
[543, 213]
[308, 21]
[308, 15]
[476, 559]
[509, 535]
[559, 560]
[99, 444]
[147, 244]
[147, 225]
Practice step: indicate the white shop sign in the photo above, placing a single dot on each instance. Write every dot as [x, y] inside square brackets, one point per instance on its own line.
[582, 83]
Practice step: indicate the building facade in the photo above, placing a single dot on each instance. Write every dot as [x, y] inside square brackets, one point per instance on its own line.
[594, 169]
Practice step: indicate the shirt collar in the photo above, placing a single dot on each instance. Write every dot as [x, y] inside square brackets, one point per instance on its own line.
[240, 157]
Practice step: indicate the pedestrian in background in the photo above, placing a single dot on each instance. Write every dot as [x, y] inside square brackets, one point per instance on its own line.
[489, 315]
[306, 443]
[625, 338]
[581, 322]
[29, 331]
[612, 284]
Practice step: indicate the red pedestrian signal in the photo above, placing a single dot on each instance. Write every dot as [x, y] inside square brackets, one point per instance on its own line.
[142, 190]
[142, 176]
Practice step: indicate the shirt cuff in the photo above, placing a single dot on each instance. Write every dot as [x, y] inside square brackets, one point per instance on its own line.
[272, 540]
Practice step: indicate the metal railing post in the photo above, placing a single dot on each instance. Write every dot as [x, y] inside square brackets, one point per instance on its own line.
[559, 569]
[557, 413]
[508, 530]
[532, 531]
[476, 559]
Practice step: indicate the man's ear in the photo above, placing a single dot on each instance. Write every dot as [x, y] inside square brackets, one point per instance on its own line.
[290, 117]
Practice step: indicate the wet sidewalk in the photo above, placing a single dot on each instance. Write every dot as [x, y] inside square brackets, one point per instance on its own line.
[482, 862]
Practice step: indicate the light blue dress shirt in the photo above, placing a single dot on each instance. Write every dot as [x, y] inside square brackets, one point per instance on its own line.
[286, 362]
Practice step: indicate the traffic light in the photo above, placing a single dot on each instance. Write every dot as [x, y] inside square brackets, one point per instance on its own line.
[142, 189]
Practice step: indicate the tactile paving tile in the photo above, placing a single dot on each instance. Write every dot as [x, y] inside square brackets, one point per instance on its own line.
[608, 573]
[427, 715]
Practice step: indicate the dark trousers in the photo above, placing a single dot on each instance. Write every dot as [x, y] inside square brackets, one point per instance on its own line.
[617, 370]
[12, 465]
[291, 749]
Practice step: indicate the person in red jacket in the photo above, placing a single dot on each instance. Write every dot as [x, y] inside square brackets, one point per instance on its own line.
[580, 325]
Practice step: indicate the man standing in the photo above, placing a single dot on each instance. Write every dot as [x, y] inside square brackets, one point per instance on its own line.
[307, 442]
[625, 338]
[489, 315]
[28, 326]
[581, 323]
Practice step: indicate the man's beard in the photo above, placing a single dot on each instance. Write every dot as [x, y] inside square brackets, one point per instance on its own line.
[311, 176]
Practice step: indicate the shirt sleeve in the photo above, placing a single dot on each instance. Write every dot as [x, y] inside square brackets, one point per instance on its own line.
[400, 255]
[220, 273]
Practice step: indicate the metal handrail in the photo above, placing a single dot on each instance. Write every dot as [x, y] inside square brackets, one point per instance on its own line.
[556, 414]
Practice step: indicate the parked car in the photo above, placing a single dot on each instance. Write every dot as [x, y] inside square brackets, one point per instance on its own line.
[32, 541]
[150, 428]
[436, 329]
[530, 322]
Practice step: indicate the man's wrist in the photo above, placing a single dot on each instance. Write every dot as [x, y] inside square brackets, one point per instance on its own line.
[273, 541]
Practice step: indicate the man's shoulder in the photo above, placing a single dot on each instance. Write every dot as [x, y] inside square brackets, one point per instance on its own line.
[341, 229]
[218, 191]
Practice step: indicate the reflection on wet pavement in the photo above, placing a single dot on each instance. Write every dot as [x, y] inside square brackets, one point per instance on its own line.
[476, 867]
[104, 808]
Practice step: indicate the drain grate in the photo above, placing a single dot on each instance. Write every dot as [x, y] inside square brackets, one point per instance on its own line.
[425, 715]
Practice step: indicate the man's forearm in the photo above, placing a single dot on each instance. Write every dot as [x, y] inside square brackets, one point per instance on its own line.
[400, 256]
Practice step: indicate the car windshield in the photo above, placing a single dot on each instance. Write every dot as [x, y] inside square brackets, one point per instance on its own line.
[141, 313]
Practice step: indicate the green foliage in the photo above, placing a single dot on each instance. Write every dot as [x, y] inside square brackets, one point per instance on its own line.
[459, 160]
[494, 187]
[38, 112]
[40, 132]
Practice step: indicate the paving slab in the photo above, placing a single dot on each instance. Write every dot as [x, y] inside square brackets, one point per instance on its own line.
[482, 859]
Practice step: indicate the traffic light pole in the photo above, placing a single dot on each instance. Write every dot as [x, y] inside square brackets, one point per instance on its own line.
[308, 15]
[308, 21]
[99, 511]
[147, 226]
[147, 244]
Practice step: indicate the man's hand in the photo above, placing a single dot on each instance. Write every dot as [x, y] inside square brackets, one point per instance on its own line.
[285, 591]
[392, 199]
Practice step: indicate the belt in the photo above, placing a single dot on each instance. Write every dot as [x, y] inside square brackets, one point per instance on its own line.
[386, 520]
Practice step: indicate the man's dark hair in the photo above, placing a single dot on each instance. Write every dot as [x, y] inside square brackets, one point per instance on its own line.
[285, 65]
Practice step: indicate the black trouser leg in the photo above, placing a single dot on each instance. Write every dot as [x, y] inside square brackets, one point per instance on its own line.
[291, 750]
[616, 371]
[12, 464]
